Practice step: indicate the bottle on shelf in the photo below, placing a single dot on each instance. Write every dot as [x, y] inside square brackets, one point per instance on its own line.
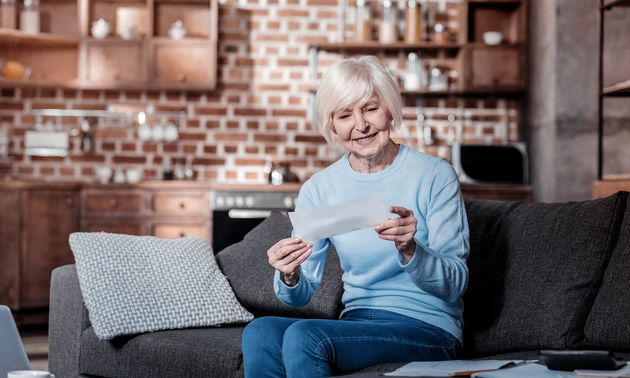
[388, 32]
[7, 14]
[414, 78]
[413, 22]
[363, 28]
[29, 17]
[440, 27]
[438, 80]
[167, 169]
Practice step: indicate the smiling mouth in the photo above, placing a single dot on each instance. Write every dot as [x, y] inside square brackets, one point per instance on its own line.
[367, 137]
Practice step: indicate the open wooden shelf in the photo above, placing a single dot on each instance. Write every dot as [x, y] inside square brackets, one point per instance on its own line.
[617, 90]
[70, 57]
[17, 37]
[608, 4]
[377, 46]
[480, 92]
[113, 41]
[4, 82]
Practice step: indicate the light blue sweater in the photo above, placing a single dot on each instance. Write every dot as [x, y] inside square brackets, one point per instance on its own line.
[430, 286]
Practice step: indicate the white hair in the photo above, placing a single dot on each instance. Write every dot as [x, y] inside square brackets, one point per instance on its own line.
[350, 81]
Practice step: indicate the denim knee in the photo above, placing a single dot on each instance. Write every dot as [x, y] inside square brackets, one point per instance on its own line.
[304, 350]
[257, 332]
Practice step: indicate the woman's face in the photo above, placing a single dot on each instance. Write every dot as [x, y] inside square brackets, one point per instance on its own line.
[363, 128]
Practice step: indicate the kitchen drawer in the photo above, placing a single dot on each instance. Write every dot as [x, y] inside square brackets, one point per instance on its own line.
[118, 227]
[174, 231]
[108, 203]
[178, 203]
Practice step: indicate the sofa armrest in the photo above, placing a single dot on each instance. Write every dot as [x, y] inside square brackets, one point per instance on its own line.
[67, 320]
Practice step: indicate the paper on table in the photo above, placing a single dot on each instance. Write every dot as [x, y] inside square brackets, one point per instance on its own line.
[525, 371]
[448, 368]
[315, 224]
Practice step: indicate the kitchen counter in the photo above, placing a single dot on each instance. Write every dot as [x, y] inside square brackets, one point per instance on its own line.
[505, 192]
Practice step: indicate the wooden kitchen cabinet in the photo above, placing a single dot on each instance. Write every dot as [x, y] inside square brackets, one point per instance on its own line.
[34, 229]
[149, 60]
[497, 66]
[157, 209]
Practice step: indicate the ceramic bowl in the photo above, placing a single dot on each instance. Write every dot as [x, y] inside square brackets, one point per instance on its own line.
[492, 38]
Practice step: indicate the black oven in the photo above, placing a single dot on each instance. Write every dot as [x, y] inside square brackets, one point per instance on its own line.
[235, 213]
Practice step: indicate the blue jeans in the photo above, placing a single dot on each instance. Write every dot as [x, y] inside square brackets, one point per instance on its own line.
[277, 347]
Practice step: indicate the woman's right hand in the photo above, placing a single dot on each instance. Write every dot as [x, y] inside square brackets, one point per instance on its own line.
[287, 255]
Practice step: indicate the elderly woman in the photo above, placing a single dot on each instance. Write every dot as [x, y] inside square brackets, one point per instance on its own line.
[404, 279]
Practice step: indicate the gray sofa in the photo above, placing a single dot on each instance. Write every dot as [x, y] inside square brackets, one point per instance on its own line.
[541, 276]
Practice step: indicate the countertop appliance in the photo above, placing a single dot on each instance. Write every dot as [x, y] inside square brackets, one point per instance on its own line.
[477, 163]
[235, 213]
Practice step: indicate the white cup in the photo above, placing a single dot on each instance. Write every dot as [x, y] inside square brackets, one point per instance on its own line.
[29, 374]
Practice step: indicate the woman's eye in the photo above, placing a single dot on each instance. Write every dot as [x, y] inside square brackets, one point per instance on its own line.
[343, 116]
[371, 109]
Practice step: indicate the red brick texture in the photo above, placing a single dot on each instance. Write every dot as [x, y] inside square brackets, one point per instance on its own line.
[260, 111]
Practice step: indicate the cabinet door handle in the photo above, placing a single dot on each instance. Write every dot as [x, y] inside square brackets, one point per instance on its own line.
[181, 77]
[113, 202]
[182, 234]
[182, 205]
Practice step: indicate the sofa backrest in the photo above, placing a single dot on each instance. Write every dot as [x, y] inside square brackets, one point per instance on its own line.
[608, 323]
[246, 267]
[535, 271]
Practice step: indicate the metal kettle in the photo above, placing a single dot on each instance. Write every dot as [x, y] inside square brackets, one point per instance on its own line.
[280, 173]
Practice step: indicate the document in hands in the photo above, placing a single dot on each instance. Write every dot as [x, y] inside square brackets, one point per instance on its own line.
[324, 222]
[451, 368]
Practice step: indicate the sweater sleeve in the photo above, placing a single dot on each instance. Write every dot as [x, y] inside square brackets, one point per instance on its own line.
[311, 270]
[439, 268]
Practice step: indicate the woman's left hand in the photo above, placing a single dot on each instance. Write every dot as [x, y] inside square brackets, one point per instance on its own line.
[400, 230]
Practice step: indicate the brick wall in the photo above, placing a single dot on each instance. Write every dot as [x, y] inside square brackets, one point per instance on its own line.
[260, 111]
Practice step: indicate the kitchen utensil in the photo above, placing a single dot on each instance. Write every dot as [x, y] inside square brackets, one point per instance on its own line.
[171, 134]
[157, 133]
[144, 132]
[177, 30]
[100, 29]
[492, 38]
[103, 174]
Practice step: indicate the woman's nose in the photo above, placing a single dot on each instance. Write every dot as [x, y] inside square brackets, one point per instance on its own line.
[360, 124]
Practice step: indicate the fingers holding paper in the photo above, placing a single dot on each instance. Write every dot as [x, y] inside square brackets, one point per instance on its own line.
[287, 254]
[400, 230]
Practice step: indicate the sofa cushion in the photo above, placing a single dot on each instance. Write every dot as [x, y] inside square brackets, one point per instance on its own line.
[535, 269]
[195, 352]
[607, 326]
[247, 268]
[134, 284]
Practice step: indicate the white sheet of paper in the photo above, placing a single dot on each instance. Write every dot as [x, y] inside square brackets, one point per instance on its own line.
[447, 368]
[315, 224]
[525, 371]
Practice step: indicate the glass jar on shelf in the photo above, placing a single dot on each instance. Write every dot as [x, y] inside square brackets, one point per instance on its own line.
[29, 17]
[363, 27]
[440, 26]
[388, 31]
[413, 22]
[7, 14]
[414, 77]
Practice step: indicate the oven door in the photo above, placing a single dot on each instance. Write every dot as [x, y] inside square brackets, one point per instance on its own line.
[230, 226]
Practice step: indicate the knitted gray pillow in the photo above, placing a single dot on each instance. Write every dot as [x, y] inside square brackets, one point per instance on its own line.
[135, 284]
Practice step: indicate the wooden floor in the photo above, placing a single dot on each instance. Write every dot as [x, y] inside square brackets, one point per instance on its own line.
[35, 342]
